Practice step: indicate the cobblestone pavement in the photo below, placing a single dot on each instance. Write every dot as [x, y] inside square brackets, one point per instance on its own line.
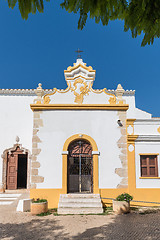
[22, 226]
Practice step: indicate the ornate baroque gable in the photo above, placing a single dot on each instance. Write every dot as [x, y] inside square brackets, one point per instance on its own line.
[79, 91]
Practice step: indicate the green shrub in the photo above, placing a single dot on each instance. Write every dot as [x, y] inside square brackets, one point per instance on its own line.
[124, 197]
[38, 200]
[44, 214]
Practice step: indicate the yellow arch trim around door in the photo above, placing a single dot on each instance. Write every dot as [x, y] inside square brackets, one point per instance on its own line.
[80, 136]
[95, 161]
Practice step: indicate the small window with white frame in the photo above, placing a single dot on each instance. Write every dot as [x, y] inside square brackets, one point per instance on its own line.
[149, 166]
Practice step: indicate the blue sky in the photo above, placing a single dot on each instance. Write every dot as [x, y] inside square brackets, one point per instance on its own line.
[41, 48]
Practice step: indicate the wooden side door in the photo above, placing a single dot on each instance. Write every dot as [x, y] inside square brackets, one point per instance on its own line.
[12, 171]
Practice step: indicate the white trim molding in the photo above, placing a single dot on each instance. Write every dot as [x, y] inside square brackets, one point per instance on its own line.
[64, 153]
[152, 121]
[148, 138]
[95, 153]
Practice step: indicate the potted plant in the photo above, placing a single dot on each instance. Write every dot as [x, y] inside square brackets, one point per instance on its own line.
[39, 206]
[122, 203]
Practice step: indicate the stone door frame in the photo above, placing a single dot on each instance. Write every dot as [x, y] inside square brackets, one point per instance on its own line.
[4, 165]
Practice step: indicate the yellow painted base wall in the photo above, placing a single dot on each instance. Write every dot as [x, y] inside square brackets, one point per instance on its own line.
[52, 195]
[110, 193]
[148, 195]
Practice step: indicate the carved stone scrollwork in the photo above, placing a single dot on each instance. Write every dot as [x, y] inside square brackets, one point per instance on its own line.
[46, 98]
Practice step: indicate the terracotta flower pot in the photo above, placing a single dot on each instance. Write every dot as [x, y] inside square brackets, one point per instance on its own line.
[120, 207]
[37, 208]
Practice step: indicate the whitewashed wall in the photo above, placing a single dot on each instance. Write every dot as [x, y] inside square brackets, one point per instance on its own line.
[147, 126]
[148, 141]
[58, 126]
[16, 120]
[134, 112]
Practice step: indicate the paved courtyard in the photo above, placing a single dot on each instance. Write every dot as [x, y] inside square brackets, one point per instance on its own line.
[21, 226]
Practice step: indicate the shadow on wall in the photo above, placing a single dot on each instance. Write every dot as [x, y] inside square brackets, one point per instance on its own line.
[130, 226]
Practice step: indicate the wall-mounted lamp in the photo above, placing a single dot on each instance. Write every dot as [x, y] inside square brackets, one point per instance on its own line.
[119, 122]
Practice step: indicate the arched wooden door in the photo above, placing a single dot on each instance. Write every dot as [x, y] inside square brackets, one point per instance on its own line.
[80, 167]
[16, 169]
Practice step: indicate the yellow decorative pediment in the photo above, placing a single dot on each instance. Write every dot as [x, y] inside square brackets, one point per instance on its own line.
[80, 84]
[75, 66]
[80, 88]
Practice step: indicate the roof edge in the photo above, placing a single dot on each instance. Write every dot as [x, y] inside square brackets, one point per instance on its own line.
[46, 91]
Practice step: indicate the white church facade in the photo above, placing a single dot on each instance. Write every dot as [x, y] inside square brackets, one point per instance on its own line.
[78, 140]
